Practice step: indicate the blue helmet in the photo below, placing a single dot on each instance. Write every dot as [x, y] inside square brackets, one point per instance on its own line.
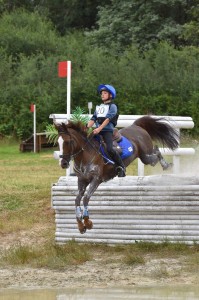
[108, 88]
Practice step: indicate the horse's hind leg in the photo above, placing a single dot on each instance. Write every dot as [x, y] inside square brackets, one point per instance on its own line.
[154, 158]
[165, 165]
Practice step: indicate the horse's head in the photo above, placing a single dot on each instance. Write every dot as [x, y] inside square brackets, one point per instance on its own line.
[72, 137]
[65, 145]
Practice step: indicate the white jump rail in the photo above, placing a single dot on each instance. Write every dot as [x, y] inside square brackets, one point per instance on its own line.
[126, 120]
[176, 122]
[146, 208]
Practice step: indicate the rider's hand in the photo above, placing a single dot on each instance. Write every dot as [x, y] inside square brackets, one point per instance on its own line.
[96, 131]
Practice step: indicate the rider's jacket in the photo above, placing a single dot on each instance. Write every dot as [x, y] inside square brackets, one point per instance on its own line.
[102, 112]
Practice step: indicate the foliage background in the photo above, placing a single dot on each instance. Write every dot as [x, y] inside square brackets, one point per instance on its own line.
[147, 49]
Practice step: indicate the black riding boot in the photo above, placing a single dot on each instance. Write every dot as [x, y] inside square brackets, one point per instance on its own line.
[120, 165]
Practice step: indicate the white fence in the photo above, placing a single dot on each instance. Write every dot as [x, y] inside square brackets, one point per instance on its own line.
[147, 208]
[126, 120]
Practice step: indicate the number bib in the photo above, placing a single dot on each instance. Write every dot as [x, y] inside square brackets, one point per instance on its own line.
[102, 110]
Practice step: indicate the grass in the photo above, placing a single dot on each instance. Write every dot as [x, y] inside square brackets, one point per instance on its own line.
[52, 256]
[48, 255]
[25, 188]
[25, 204]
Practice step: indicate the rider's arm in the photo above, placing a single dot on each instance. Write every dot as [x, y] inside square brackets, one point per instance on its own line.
[92, 120]
[106, 121]
[112, 111]
[98, 129]
[90, 123]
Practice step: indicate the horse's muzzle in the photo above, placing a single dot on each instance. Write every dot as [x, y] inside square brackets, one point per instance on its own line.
[64, 164]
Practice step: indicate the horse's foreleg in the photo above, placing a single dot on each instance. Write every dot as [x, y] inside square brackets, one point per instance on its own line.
[79, 215]
[92, 188]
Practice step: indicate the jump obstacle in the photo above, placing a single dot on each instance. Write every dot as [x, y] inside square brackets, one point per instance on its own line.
[147, 208]
[135, 208]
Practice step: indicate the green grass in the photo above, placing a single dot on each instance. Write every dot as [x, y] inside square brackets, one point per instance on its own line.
[25, 188]
[48, 255]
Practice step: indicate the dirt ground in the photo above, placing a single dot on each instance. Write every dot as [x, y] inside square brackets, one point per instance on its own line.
[101, 272]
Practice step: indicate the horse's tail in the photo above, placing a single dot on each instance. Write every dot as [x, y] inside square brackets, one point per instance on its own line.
[160, 130]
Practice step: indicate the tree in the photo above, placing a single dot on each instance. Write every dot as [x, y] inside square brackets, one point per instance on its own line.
[163, 80]
[68, 15]
[26, 40]
[190, 31]
[144, 23]
[11, 5]
[28, 73]
[27, 33]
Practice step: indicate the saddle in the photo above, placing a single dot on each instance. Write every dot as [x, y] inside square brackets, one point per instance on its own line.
[120, 144]
[117, 137]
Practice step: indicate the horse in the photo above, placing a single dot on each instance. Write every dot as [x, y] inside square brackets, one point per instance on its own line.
[92, 168]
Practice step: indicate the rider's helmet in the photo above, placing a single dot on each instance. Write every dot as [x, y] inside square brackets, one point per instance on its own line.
[108, 88]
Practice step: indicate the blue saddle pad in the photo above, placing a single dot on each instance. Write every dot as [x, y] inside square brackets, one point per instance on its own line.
[124, 144]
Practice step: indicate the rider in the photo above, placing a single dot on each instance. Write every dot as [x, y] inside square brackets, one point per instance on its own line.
[102, 117]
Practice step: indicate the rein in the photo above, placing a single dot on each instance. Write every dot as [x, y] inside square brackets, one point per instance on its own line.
[71, 156]
[87, 141]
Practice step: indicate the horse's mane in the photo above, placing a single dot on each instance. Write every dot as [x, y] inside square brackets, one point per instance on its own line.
[77, 126]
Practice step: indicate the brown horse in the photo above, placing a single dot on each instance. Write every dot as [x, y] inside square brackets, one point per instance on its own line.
[90, 165]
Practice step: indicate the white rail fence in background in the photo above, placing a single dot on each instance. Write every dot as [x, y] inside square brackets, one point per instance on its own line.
[126, 120]
[147, 208]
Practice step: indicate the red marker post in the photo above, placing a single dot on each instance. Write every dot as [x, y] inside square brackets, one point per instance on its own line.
[64, 70]
[33, 110]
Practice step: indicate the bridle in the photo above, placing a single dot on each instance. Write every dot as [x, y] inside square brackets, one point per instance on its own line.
[70, 156]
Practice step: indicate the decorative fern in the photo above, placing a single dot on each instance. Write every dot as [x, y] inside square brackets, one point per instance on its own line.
[51, 133]
[77, 116]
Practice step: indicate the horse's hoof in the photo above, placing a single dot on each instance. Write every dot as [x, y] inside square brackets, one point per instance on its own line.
[81, 227]
[88, 223]
[82, 231]
[167, 166]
